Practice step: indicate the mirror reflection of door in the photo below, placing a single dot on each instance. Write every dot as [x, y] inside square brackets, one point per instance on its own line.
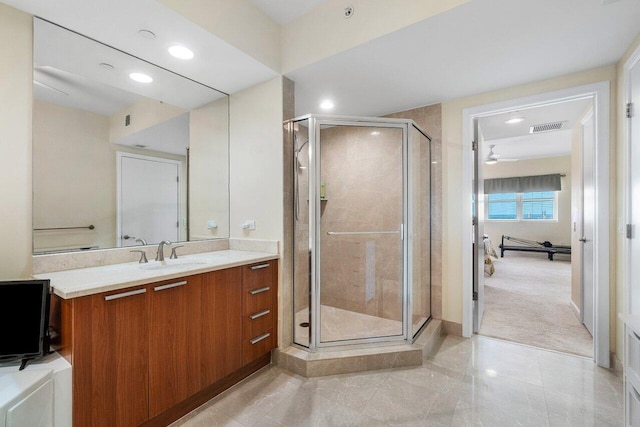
[148, 199]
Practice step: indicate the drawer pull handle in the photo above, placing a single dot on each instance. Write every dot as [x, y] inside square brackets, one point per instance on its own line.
[256, 340]
[257, 315]
[125, 294]
[169, 286]
[258, 267]
[259, 290]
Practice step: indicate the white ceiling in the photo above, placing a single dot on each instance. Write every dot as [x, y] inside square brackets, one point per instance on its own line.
[284, 11]
[480, 46]
[513, 141]
[494, 127]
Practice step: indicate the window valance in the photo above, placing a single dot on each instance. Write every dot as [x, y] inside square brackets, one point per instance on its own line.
[523, 184]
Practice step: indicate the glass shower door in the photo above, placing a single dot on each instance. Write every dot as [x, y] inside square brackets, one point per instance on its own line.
[360, 216]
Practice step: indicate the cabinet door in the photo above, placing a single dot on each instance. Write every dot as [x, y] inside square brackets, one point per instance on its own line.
[221, 324]
[174, 342]
[110, 359]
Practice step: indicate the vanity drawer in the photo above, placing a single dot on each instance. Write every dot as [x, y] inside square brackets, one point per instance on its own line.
[259, 308]
[258, 275]
[258, 322]
[257, 299]
[258, 345]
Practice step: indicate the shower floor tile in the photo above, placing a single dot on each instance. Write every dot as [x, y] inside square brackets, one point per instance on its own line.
[339, 325]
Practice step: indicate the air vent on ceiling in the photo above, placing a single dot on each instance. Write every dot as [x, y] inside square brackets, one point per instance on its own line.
[546, 127]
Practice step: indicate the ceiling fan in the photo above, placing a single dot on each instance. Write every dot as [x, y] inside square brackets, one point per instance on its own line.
[493, 158]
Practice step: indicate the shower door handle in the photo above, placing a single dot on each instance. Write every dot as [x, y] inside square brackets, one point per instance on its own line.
[339, 233]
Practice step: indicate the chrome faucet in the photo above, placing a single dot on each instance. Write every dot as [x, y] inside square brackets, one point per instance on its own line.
[160, 254]
[142, 241]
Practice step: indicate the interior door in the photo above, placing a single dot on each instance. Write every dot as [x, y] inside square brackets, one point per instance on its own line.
[634, 202]
[478, 228]
[148, 203]
[588, 220]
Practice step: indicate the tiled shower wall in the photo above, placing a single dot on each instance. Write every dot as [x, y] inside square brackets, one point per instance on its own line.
[362, 170]
[429, 119]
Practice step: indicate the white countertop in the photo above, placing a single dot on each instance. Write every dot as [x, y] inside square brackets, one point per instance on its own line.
[87, 281]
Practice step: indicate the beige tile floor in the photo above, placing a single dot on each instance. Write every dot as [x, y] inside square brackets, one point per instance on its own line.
[468, 382]
[339, 324]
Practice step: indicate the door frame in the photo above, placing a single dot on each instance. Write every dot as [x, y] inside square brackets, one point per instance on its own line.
[119, 156]
[600, 93]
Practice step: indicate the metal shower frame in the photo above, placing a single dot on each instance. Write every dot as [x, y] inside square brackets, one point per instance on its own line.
[316, 121]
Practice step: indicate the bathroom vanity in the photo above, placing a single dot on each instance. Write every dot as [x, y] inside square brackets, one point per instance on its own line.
[149, 342]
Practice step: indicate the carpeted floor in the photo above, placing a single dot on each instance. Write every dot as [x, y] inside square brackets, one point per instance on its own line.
[527, 300]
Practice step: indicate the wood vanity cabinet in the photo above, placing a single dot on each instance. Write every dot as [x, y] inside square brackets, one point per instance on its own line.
[110, 358]
[175, 329]
[147, 355]
[221, 318]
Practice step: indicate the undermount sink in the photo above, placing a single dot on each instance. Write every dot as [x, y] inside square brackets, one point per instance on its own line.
[168, 265]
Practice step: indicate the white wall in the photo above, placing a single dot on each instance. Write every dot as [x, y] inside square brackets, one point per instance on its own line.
[74, 177]
[256, 161]
[557, 232]
[209, 170]
[16, 88]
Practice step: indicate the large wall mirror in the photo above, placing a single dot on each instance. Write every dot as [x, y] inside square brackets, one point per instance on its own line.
[119, 162]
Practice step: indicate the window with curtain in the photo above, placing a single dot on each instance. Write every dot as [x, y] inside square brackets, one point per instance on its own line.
[529, 206]
[523, 198]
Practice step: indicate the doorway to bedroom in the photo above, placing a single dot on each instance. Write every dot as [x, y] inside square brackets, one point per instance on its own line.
[533, 167]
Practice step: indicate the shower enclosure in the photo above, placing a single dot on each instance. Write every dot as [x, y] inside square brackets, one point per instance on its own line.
[361, 230]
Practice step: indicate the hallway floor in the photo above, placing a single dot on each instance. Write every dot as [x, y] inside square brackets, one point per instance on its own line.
[466, 382]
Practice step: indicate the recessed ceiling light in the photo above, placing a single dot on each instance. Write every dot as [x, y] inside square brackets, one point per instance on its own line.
[375, 133]
[514, 120]
[181, 52]
[147, 34]
[326, 104]
[106, 66]
[141, 77]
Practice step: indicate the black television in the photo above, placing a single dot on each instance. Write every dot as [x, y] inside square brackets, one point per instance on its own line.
[24, 320]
